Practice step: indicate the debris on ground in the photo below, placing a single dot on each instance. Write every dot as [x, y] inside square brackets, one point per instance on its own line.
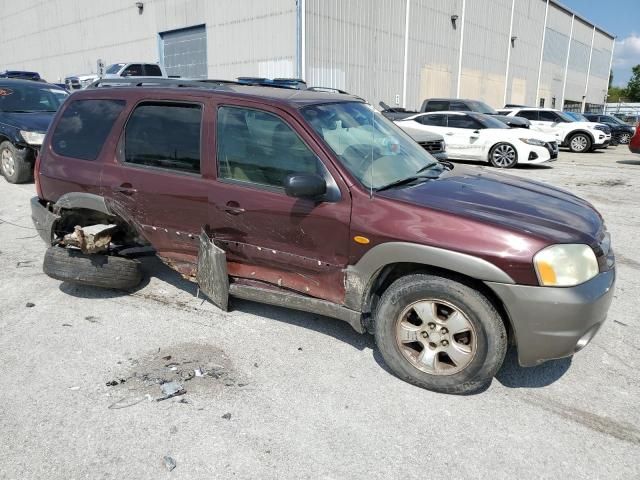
[30, 305]
[24, 263]
[227, 416]
[169, 462]
[171, 389]
[113, 383]
[67, 325]
[91, 319]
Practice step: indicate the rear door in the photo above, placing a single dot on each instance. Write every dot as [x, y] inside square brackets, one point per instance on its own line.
[155, 181]
[294, 243]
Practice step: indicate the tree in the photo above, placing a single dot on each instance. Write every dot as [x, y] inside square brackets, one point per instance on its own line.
[633, 87]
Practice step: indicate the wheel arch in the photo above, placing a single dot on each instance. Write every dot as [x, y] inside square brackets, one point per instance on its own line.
[580, 130]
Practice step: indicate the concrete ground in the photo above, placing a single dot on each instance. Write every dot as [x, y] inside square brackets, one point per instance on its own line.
[307, 396]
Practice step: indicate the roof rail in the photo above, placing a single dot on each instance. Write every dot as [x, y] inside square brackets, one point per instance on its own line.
[157, 82]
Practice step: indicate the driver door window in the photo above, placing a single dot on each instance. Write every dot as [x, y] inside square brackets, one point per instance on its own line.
[259, 148]
[463, 121]
[132, 71]
[550, 117]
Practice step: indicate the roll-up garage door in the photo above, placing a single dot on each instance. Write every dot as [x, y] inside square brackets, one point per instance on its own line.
[184, 52]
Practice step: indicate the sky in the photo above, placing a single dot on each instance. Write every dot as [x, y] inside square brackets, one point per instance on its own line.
[620, 18]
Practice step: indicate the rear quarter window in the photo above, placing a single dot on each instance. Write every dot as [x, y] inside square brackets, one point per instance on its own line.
[84, 127]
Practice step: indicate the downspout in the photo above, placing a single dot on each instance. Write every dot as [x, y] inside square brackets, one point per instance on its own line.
[464, 5]
[544, 34]
[406, 55]
[509, 47]
[566, 65]
[300, 39]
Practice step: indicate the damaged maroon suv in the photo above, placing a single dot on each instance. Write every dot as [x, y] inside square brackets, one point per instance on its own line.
[315, 202]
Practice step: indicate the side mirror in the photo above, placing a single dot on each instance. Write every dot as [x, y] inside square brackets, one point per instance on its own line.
[305, 185]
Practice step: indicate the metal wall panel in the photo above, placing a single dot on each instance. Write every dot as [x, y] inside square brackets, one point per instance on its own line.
[600, 68]
[528, 27]
[578, 65]
[184, 52]
[484, 54]
[63, 37]
[433, 50]
[554, 59]
[356, 45]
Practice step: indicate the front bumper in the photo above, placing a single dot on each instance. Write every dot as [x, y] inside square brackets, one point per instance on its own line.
[43, 219]
[551, 322]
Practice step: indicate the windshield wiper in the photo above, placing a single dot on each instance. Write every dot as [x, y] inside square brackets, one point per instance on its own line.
[427, 167]
[405, 181]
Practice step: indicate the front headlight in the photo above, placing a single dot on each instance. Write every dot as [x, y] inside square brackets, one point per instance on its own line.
[32, 138]
[565, 265]
[533, 141]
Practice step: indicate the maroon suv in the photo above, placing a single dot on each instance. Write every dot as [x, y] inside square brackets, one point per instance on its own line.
[316, 202]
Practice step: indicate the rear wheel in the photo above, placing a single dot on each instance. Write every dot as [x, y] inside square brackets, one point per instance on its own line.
[97, 270]
[503, 155]
[624, 138]
[580, 143]
[14, 164]
[439, 334]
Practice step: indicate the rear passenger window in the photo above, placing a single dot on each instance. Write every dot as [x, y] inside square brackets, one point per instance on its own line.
[528, 114]
[84, 127]
[436, 120]
[436, 106]
[164, 135]
[458, 107]
[151, 70]
[258, 147]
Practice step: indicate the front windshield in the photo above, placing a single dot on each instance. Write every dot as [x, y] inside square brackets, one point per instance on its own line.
[614, 120]
[482, 107]
[489, 122]
[371, 147]
[565, 117]
[30, 98]
[577, 116]
[115, 68]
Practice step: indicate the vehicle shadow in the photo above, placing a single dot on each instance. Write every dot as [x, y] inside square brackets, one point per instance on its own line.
[154, 269]
[629, 162]
[512, 375]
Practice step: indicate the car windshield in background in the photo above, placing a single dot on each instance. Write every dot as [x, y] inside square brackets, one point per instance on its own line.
[489, 122]
[577, 116]
[565, 117]
[30, 98]
[115, 68]
[371, 147]
[614, 120]
[482, 107]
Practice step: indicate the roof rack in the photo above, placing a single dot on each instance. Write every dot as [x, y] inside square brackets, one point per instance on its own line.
[157, 82]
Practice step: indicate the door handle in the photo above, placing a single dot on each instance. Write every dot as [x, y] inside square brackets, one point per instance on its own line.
[125, 189]
[233, 208]
[449, 133]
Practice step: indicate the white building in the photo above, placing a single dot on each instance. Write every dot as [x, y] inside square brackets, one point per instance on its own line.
[401, 51]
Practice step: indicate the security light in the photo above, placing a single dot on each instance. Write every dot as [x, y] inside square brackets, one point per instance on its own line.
[454, 19]
[140, 6]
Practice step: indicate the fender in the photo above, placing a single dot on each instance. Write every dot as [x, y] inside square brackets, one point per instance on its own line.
[360, 276]
[570, 134]
[88, 201]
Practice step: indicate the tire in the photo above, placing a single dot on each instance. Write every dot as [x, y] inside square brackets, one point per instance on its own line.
[503, 155]
[624, 138]
[14, 164]
[97, 270]
[486, 335]
[580, 143]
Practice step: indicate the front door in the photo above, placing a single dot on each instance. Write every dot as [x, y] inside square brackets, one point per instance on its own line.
[294, 243]
[463, 133]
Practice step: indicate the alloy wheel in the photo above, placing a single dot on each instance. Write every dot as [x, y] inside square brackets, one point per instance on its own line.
[8, 163]
[503, 155]
[579, 143]
[624, 138]
[436, 337]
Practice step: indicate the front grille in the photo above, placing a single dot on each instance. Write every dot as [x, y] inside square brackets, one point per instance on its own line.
[433, 146]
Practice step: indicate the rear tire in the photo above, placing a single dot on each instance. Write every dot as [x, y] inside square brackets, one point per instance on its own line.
[580, 143]
[14, 164]
[103, 271]
[624, 138]
[458, 349]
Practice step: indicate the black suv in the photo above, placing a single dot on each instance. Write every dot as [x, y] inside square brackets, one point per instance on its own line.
[619, 130]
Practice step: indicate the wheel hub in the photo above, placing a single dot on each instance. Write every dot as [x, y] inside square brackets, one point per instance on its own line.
[8, 165]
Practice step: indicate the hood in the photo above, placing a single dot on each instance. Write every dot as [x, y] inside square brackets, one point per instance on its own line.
[529, 207]
[33, 122]
[591, 125]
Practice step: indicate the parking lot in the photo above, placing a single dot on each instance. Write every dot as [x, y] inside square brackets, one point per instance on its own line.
[307, 396]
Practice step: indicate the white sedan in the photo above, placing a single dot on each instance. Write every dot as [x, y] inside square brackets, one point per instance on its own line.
[475, 136]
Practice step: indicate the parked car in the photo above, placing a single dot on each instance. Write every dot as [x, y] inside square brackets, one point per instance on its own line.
[619, 130]
[474, 136]
[134, 69]
[77, 82]
[634, 143]
[579, 117]
[316, 202]
[466, 105]
[577, 136]
[26, 110]
[21, 75]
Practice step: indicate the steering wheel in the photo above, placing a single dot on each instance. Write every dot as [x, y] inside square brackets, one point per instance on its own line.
[358, 157]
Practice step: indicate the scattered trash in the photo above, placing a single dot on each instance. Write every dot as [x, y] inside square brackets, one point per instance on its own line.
[171, 389]
[125, 402]
[243, 384]
[198, 372]
[227, 416]
[113, 383]
[255, 365]
[67, 325]
[30, 305]
[24, 263]
[620, 323]
[168, 357]
[169, 462]
[91, 319]
[299, 349]
[74, 388]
